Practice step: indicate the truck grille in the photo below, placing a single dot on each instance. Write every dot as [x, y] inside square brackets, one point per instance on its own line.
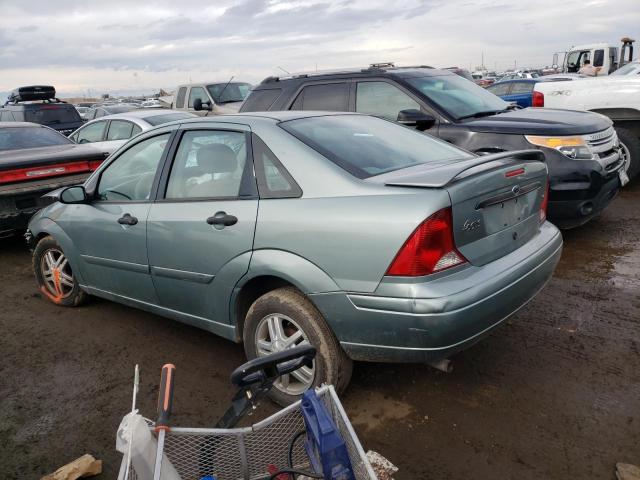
[602, 142]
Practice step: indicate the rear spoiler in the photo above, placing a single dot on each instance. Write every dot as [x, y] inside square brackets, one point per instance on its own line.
[445, 174]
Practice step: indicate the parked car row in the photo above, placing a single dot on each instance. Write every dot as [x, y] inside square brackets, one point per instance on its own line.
[294, 193]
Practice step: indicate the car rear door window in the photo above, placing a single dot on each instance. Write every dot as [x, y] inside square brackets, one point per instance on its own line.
[499, 88]
[209, 164]
[197, 92]
[182, 92]
[520, 88]
[333, 97]
[383, 100]
[93, 132]
[261, 100]
[129, 177]
[119, 130]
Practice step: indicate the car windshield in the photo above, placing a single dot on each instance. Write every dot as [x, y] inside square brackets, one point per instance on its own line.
[52, 114]
[628, 69]
[16, 138]
[457, 96]
[167, 117]
[233, 92]
[367, 146]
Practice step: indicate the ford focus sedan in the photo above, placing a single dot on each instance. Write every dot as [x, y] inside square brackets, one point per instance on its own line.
[366, 239]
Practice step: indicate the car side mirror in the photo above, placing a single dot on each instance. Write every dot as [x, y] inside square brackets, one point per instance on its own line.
[74, 194]
[413, 117]
[199, 105]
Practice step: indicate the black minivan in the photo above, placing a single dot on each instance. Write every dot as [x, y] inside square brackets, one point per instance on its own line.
[38, 104]
[581, 148]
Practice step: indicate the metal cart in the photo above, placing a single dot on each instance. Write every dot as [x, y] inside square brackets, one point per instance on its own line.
[225, 453]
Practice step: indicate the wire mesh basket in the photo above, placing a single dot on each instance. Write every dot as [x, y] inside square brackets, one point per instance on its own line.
[246, 453]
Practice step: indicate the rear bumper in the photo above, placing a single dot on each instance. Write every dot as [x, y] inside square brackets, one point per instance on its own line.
[435, 319]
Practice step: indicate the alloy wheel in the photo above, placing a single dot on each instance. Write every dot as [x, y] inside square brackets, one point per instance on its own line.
[276, 333]
[56, 273]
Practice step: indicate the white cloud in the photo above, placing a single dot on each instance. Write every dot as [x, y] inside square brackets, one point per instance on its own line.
[119, 45]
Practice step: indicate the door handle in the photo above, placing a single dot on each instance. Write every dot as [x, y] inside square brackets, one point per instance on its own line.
[127, 219]
[221, 220]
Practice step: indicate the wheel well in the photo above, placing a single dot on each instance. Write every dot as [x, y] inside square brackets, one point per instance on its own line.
[251, 291]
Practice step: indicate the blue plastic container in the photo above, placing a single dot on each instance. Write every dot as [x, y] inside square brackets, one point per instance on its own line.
[325, 447]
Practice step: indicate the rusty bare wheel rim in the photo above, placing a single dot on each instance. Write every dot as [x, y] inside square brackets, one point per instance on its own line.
[56, 273]
[278, 332]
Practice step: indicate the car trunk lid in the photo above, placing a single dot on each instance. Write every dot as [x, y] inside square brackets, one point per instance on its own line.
[495, 200]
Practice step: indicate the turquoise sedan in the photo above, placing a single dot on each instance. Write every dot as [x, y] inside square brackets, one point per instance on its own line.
[367, 239]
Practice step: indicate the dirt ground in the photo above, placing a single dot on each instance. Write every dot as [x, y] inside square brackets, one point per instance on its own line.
[553, 394]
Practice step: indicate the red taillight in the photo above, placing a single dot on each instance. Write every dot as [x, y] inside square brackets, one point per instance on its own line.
[429, 249]
[538, 99]
[46, 171]
[544, 204]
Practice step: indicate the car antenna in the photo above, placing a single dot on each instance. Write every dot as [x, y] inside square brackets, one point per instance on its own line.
[224, 88]
[285, 71]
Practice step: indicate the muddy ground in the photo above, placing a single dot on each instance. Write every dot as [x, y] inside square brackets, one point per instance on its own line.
[553, 394]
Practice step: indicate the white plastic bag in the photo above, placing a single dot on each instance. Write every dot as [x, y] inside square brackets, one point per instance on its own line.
[134, 428]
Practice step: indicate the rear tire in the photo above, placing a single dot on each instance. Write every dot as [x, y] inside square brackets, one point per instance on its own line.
[630, 144]
[54, 275]
[290, 309]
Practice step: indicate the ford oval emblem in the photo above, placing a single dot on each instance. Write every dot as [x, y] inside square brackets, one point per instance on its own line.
[516, 189]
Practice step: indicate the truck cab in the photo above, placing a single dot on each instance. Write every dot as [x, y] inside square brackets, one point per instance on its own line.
[607, 57]
[211, 98]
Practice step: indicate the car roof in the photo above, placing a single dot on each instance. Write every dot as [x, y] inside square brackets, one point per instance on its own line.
[19, 125]
[204, 84]
[276, 116]
[372, 70]
[138, 114]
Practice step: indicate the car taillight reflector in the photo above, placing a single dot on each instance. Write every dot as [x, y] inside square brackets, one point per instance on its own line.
[544, 204]
[429, 249]
[45, 171]
[538, 99]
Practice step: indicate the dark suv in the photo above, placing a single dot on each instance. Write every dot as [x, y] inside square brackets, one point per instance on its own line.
[581, 148]
[38, 104]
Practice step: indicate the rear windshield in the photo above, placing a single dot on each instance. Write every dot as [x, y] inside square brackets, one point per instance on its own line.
[367, 146]
[30, 137]
[260, 100]
[52, 114]
[166, 118]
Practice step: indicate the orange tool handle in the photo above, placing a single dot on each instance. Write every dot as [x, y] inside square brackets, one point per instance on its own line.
[165, 396]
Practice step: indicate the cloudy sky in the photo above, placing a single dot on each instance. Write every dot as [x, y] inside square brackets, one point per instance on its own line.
[91, 47]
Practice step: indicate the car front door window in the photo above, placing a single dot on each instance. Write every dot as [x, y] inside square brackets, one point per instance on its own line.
[383, 100]
[93, 132]
[130, 177]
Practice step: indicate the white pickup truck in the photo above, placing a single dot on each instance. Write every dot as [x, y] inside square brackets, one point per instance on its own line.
[617, 97]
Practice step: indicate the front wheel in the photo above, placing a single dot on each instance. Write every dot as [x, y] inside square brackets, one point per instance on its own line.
[54, 275]
[630, 144]
[283, 319]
